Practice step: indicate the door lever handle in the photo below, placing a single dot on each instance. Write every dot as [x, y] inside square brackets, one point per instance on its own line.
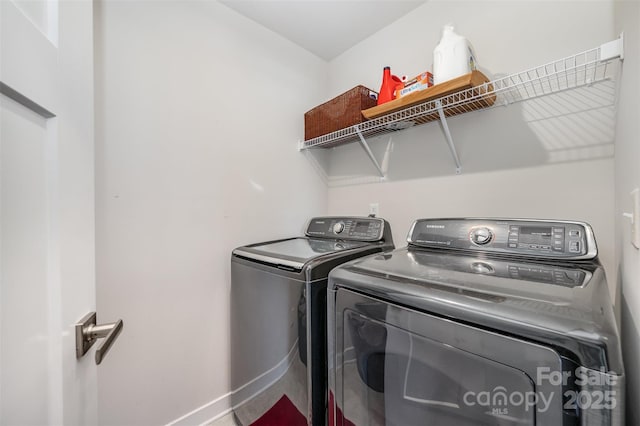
[88, 332]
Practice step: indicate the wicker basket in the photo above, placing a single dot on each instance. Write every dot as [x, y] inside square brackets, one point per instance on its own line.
[338, 113]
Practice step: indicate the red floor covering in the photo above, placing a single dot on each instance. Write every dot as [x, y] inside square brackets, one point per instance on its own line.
[283, 413]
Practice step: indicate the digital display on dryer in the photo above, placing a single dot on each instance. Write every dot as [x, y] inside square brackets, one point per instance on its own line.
[535, 235]
[361, 227]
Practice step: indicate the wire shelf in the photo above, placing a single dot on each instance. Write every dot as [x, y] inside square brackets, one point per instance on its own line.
[582, 69]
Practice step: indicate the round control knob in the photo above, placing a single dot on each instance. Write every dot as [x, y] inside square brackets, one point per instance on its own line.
[481, 236]
[338, 227]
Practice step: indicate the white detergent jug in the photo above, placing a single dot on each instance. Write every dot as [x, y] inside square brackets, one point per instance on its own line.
[452, 57]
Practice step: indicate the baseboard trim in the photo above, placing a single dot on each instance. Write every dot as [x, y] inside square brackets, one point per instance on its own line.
[207, 413]
[222, 405]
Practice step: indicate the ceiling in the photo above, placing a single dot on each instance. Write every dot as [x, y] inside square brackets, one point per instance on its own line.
[325, 28]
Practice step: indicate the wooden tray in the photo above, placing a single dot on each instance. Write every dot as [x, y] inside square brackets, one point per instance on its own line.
[467, 81]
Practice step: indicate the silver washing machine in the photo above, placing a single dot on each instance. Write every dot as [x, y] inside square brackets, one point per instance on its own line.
[476, 322]
[278, 318]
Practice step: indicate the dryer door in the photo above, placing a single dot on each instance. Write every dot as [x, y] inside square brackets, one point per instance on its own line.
[397, 366]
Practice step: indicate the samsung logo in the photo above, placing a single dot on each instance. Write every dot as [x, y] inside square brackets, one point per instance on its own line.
[435, 226]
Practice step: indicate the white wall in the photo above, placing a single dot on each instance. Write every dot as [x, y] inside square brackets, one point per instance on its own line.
[547, 158]
[198, 111]
[475, 195]
[627, 177]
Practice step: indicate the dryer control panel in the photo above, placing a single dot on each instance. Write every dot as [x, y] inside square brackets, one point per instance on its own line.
[520, 237]
[347, 228]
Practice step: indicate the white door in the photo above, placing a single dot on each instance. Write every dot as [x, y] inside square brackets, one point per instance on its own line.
[46, 211]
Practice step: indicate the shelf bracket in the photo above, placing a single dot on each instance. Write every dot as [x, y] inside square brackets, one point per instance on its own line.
[447, 135]
[366, 148]
[613, 49]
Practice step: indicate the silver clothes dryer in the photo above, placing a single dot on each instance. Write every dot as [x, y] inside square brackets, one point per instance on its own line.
[476, 322]
[278, 318]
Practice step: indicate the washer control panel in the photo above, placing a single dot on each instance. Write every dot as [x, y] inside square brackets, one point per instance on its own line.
[347, 228]
[524, 237]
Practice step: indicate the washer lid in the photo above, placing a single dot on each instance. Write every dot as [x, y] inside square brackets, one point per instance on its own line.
[565, 304]
[294, 252]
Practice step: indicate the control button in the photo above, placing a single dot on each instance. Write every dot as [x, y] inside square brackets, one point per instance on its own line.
[513, 245]
[574, 233]
[534, 246]
[514, 228]
[558, 248]
[481, 236]
[338, 227]
[558, 230]
[574, 246]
